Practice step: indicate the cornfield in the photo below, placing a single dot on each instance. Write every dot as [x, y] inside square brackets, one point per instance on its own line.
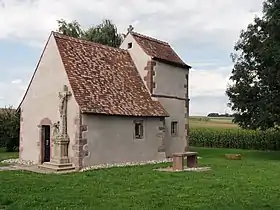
[235, 138]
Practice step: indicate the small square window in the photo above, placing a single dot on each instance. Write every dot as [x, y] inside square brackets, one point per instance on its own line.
[129, 45]
[138, 129]
[174, 128]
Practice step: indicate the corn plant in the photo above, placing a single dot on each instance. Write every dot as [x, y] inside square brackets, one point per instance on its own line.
[235, 138]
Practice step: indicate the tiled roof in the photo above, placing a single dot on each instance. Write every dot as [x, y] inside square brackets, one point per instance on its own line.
[159, 50]
[105, 80]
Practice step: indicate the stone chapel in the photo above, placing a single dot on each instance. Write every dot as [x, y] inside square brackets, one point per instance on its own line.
[90, 104]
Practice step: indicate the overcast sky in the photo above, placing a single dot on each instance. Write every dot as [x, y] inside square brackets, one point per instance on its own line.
[202, 32]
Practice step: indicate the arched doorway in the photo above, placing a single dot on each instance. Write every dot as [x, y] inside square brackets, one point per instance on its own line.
[45, 140]
[46, 143]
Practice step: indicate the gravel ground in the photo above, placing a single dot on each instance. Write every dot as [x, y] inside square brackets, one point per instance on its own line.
[30, 163]
[18, 162]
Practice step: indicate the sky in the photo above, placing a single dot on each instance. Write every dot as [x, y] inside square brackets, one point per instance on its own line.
[202, 32]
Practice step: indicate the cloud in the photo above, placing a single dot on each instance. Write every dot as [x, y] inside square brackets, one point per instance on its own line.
[216, 104]
[11, 93]
[203, 20]
[209, 82]
[203, 32]
[16, 81]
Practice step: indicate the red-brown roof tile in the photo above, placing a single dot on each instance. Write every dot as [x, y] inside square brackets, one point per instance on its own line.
[105, 80]
[159, 50]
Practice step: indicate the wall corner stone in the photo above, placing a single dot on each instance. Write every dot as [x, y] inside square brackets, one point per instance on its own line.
[161, 135]
[149, 78]
[21, 134]
[80, 146]
[187, 100]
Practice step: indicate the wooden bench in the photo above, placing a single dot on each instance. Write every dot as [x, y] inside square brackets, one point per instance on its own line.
[179, 160]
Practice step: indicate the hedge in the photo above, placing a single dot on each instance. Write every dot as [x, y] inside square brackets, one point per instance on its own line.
[235, 138]
[9, 129]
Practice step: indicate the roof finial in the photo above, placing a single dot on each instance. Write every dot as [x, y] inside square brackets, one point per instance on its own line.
[130, 29]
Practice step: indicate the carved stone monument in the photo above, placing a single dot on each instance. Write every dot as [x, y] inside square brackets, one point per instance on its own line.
[130, 29]
[59, 156]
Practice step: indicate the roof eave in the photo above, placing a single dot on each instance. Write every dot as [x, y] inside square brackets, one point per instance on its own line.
[181, 65]
[122, 115]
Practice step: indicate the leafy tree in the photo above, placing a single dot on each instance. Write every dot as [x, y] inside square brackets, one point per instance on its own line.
[105, 33]
[9, 128]
[255, 92]
[70, 29]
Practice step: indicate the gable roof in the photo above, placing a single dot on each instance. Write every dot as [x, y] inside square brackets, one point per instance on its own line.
[159, 50]
[104, 79]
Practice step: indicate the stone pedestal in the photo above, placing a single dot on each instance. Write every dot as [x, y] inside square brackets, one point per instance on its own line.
[60, 150]
[59, 159]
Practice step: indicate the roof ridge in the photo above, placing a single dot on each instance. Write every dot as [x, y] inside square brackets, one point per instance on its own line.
[150, 38]
[80, 40]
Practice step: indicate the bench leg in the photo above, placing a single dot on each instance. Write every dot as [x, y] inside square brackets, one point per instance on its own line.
[178, 164]
[192, 161]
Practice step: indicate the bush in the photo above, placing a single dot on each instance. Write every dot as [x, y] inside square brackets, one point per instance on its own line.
[9, 129]
[235, 138]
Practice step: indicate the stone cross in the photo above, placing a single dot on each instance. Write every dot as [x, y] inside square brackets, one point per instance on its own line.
[63, 96]
[130, 29]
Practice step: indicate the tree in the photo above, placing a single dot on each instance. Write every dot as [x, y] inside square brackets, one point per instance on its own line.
[255, 93]
[213, 115]
[70, 29]
[9, 128]
[105, 33]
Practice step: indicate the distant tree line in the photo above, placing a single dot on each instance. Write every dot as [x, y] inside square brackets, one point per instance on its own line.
[220, 115]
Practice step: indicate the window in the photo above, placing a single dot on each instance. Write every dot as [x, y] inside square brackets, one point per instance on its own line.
[129, 45]
[138, 129]
[174, 128]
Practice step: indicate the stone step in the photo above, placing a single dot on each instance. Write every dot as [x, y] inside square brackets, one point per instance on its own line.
[58, 167]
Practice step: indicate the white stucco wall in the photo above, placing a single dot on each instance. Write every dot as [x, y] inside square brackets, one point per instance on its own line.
[42, 101]
[170, 81]
[110, 140]
[139, 57]
[176, 110]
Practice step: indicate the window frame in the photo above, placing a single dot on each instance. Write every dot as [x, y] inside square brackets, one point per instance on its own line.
[129, 45]
[174, 128]
[138, 131]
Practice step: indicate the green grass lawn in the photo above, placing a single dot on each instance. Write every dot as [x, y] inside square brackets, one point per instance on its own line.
[251, 183]
[6, 155]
